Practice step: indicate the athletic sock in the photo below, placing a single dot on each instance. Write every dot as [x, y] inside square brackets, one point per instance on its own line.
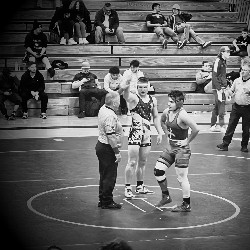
[165, 192]
[187, 200]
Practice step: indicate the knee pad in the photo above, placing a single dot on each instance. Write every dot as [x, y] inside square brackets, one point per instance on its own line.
[159, 171]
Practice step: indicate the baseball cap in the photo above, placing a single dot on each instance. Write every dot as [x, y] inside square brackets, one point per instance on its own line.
[85, 65]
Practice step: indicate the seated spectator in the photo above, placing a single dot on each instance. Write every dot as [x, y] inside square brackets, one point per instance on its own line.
[65, 23]
[112, 82]
[107, 23]
[89, 86]
[204, 78]
[133, 74]
[36, 44]
[178, 23]
[156, 22]
[32, 86]
[9, 91]
[241, 45]
[82, 24]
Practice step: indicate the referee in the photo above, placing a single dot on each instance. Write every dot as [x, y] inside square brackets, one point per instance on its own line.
[107, 149]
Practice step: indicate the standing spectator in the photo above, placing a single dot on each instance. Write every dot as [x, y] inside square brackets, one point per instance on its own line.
[107, 150]
[9, 91]
[36, 44]
[240, 109]
[80, 16]
[241, 45]
[204, 79]
[143, 107]
[156, 22]
[219, 84]
[178, 23]
[88, 86]
[63, 20]
[176, 122]
[107, 23]
[112, 82]
[32, 86]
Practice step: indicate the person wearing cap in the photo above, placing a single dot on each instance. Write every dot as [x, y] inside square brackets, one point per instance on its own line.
[240, 108]
[156, 22]
[9, 91]
[88, 86]
[178, 23]
[32, 86]
[219, 84]
[107, 23]
[108, 149]
[36, 44]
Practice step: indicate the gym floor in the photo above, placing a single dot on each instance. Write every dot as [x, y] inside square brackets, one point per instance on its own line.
[49, 191]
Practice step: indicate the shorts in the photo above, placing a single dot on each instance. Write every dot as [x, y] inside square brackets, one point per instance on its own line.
[139, 134]
[178, 155]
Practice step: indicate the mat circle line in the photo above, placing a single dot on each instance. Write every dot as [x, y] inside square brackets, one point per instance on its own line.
[29, 204]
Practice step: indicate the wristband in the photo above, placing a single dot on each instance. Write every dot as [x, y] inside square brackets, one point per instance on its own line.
[116, 150]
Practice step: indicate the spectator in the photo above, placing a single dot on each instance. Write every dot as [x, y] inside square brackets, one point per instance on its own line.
[32, 86]
[240, 109]
[107, 150]
[36, 44]
[156, 22]
[80, 16]
[112, 82]
[89, 86]
[62, 19]
[219, 84]
[241, 45]
[9, 91]
[178, 23]
[133, 74]
[204, 79]
[107, 23]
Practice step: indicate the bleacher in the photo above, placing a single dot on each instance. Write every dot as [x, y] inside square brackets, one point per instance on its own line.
[167, 69]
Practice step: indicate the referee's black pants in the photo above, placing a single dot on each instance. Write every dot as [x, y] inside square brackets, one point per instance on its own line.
[237, 112]
[107, 171]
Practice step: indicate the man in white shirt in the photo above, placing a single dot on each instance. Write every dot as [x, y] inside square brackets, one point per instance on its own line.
[112, 82]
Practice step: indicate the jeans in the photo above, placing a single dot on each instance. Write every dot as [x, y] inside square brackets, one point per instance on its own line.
[99, 35]
[160, 31]
[237, 112]
[107, 171]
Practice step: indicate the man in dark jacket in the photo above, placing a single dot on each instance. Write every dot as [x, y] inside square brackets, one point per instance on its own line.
[9, 91]
[178, 23]
[36, 44]
[107, 23]
[219, 84]
[32, 86]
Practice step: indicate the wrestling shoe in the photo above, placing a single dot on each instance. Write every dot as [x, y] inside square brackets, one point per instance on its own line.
[223, 146]
[165, 200]
[141, 189]
[112, 205]
[182, 44]
[184, 207]
[128, 193]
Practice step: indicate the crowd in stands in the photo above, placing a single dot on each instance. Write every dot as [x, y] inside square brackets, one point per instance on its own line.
[73, 24]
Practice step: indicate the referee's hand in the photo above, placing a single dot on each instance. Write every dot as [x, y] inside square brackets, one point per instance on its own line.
[118, 157]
